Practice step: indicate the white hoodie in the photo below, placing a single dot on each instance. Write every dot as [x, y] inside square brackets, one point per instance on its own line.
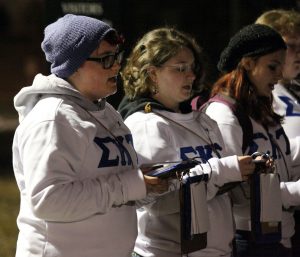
[75, 167]
[287, 105]
[158, 140]
[232, 135]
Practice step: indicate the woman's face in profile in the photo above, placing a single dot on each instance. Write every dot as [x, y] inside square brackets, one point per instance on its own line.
[174, 79]
[96, 80]
[265, 71]
[292, 61]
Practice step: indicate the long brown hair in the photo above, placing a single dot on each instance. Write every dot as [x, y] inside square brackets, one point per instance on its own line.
[237, 85]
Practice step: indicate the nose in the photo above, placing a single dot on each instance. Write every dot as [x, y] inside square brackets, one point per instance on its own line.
[191, 75]
[279, 74]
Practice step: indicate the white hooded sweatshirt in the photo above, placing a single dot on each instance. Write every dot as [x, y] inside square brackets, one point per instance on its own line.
[157, 139]
[261, 142]
[76, 170]
[287, 104]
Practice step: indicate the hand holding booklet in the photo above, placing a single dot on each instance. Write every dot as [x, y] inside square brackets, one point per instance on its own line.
[192, 197]
[265, 201]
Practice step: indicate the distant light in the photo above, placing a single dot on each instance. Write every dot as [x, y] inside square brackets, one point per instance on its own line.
[83, 8]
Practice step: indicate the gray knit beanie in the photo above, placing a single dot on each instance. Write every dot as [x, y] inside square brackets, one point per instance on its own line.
[252, 40]
[70, 40]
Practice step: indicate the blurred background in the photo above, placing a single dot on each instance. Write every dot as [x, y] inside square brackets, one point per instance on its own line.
[211, 22]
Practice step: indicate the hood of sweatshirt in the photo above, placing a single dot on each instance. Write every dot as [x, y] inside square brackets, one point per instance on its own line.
[128, 107]
[42, 85]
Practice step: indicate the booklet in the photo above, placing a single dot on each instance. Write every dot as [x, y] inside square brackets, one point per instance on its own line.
[171, 169]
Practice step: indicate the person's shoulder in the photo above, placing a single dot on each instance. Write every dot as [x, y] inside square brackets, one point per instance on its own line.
[148, 121]
[280, 89]
[203, 118]
[66, 108]
[219, 106]
[46, 109]
[220, 111]
[51, 110]
[64, 112]
[141, 116]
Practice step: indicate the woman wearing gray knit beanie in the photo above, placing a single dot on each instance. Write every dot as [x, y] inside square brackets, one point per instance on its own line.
[252, 63]
[73, 157]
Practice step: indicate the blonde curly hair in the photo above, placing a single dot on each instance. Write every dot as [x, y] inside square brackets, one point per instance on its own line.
[285, 22]
[154, 49]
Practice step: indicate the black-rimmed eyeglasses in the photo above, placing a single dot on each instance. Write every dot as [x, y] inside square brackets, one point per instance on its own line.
[108, 60]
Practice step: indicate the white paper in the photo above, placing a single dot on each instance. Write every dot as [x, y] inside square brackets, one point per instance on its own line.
[199, 209]
[270, 197]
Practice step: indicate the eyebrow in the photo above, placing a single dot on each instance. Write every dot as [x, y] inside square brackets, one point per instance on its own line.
[184, 62]
[106, 53]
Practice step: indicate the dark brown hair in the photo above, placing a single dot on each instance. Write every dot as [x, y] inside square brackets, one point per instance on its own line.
[237, 85]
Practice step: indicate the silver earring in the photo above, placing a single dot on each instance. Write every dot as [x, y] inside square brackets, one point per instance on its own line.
[155, 89]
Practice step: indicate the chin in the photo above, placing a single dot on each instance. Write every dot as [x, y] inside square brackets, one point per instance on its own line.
[265, 94]
[112, 92]
[186, 97]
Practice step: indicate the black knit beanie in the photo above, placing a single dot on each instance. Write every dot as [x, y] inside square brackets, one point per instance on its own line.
[252, 40]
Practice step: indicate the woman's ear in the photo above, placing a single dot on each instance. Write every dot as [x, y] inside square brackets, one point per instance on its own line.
[248, 63]
[151, 70]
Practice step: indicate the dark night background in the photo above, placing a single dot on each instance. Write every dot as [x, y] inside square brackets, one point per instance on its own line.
[211, 22]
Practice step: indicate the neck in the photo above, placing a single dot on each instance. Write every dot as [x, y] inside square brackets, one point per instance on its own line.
[167, 103]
